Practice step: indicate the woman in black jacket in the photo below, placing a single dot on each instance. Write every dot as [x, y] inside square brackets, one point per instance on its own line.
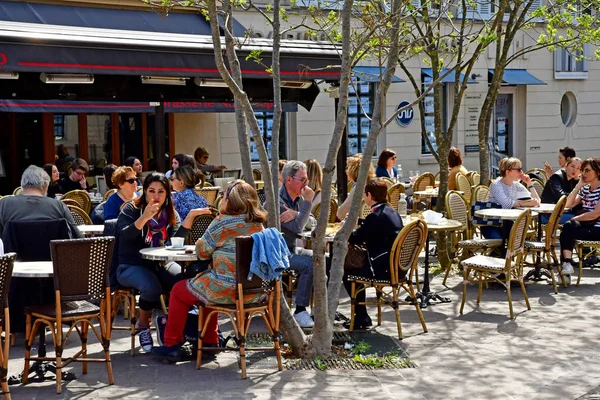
[378, 231]
[149, 221]
[561, 183]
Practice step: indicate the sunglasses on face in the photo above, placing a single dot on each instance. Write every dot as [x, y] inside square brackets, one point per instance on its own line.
[517, 169]
[302, 180]
[131, 180]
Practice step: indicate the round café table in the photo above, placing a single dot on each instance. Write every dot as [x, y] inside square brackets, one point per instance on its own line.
[506, 215]
[185, 254]
[91, 230]
[37, 269]
[330, 232]
[426, 296]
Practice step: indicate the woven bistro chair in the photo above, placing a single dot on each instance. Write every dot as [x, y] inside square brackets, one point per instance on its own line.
[404, 256]
[6, 267]
[426, 179]
[199, 226]
[464, 185]
[463, 243]
[109, 193]
[481, 193]
[580, 248]
[365, 210]
[17, 191]
[256, 174]
[80, 216]
[539, 172]
[241, 313]
[393, 195]
[538, 186]
[547, 247]
[487, 268]
[333, 207]
[209, 193]
[389, 181]
[70, 202]
[80, 276]
[80, 196]
[475, 178]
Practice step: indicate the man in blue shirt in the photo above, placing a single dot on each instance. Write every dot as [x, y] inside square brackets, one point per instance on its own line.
[295, 200]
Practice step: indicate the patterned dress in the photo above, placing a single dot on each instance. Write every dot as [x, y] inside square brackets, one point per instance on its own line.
[187, 200]
[217, 284]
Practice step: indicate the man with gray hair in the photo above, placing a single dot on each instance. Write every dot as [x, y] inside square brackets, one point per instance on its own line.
[295, 200]
[33, 204]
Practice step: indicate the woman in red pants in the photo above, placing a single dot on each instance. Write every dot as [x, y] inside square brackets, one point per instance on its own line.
[240, 215]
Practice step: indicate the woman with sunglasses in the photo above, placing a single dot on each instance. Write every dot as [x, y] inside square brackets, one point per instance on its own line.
[240, 215]
[508, 192]
[585, 226]
[149, 221]
[125, 180]
[561, 183]
[185, 198]
[386, 165]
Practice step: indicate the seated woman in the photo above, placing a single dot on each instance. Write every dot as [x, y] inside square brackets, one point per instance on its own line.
[179, 160]
[379, 231]
[386, 165]
[314, 173]
[149, 221]
[564, 155]
[52, 171]
[185, 198]
[136, 164]
[585, 226]
[352, 168]
[240, 214]
[507, 192]
[455, 163]
[125, 180]
[561, 183]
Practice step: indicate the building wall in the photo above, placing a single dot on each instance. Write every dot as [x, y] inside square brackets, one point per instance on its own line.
[198, 129]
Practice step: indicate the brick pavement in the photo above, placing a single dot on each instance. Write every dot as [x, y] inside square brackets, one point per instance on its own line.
[550, 352]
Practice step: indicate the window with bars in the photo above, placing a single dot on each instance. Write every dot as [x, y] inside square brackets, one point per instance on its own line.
[360, 112]
[265, 123]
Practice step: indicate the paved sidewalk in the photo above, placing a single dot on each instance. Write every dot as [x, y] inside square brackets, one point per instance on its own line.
[550, 352]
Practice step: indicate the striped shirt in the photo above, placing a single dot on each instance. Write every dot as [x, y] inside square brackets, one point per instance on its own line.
[589, 200]
[507, 196]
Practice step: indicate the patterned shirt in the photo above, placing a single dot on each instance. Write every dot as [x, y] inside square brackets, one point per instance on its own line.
[217, 284]
[188, 200]
[589, 200]
[507, 196]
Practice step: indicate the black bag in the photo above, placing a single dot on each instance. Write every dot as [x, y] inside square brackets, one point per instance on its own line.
[357, 256]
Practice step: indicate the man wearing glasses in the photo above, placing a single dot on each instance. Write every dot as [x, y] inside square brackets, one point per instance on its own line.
[75, 181]
[295, 199]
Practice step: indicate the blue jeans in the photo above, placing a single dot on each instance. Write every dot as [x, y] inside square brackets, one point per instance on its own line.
[301, 262]
[150, 282]
[563, 220]
[491, 232]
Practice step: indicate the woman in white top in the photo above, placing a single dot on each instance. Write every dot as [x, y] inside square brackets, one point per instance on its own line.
[315, 179]
[585, 226]
[508, 192]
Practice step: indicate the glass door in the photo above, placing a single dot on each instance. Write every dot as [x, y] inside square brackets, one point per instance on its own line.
[503, 126]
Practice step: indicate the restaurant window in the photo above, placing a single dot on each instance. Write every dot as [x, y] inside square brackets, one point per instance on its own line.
[430, 113]
[360, 112]
[265, 124]
[59, 126]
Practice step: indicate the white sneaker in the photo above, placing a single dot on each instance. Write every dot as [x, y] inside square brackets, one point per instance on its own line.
[567, 279]
[304, 320]
[567, 269]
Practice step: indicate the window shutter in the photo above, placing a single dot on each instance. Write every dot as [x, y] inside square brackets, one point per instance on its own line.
[485, 9]
[535, 4]
[416, 3]
[557, 60]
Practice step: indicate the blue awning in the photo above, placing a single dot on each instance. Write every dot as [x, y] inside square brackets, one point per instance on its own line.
[518, 77]
[372, 74]
[450, 78]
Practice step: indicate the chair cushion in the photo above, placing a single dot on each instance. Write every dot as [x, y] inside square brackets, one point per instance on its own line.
[535, 245]
[485, 262]
[480, 243]
[69, 309]
[587, 243]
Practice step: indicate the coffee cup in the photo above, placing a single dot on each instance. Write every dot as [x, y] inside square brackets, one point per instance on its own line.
[177, 241]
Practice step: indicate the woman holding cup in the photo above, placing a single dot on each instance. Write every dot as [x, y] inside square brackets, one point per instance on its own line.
[149, 221]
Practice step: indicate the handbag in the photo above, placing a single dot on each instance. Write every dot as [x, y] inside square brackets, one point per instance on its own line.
[356, 257]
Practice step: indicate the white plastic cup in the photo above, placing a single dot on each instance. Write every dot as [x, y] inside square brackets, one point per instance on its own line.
[177, 241]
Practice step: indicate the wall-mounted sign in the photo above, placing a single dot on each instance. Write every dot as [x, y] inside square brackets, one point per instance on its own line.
[406, 116]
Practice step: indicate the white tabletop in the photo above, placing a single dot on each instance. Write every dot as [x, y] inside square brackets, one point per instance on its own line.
[445, 225]
[509, 214]
[544, 208]
[33, 269]
[91, 230]
[165, 254]
[331, 227]
[424, 193]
